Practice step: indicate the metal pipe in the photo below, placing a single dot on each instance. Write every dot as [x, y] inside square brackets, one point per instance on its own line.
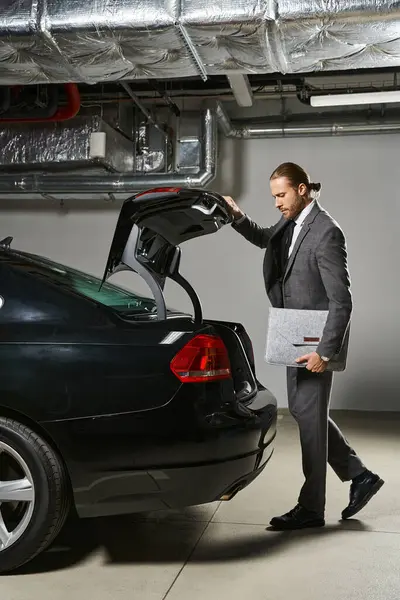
[225, 122]
[332, 129]
[152, 101]
[123, 183]
[280, 130]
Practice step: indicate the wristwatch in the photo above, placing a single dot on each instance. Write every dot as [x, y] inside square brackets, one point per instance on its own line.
[325, 358]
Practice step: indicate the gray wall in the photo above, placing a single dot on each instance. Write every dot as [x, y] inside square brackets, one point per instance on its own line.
[360, 188]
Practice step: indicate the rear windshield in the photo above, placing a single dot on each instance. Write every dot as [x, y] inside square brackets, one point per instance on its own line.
[91, 287]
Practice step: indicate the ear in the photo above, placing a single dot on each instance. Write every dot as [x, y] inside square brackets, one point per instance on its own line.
[302, 189]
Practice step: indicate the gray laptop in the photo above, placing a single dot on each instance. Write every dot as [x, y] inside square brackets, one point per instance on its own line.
[293, 333]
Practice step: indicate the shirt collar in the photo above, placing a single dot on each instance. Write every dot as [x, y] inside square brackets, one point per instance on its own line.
[299, 220]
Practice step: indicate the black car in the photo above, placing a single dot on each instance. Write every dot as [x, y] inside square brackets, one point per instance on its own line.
[112, 403]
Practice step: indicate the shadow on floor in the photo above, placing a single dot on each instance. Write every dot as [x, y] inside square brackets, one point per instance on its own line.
[127, 540]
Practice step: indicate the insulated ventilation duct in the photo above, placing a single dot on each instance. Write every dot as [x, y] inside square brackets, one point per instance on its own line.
[53, 41]
[153, 151]
[197, 157]
[84, 142]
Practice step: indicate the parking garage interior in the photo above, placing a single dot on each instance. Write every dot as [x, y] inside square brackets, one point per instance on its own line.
[103, 100]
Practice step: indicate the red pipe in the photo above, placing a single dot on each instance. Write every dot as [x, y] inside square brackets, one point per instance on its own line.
[63, 113]
[74, 104]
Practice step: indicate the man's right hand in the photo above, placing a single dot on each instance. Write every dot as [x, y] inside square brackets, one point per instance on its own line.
[233, 208]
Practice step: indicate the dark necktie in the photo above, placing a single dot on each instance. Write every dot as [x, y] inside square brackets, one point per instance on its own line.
[286, 241]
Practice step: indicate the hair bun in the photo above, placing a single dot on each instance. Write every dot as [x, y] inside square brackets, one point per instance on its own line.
[315, 187]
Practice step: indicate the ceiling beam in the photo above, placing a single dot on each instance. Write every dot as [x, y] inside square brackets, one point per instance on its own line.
[241, 89]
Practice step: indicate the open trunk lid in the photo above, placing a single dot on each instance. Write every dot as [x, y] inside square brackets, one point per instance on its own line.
[150, 228]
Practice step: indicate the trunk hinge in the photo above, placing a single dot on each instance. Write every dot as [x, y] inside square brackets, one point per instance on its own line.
[133, 260]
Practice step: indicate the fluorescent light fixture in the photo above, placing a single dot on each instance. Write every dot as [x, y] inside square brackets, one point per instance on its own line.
[355, 99]
[241, 89]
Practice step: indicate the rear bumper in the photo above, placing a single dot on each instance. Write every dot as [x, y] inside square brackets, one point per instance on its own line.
[188, 484]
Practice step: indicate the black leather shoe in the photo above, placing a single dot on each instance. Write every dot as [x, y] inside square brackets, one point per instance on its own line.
[297, 518]
[362, 489]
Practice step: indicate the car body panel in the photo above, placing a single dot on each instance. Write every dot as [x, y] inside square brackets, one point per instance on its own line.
[123, 460]
[96, 377]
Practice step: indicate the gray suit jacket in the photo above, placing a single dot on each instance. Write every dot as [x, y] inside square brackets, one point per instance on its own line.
[316, 276]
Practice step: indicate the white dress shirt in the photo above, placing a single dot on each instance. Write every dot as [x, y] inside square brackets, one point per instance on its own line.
[299, 220]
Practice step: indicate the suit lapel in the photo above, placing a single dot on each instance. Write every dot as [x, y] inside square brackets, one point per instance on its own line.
[275, 241]
[271, 258]
[278, 227]
[303, 232]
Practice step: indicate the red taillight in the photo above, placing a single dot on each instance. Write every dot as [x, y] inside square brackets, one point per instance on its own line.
[160, 190]
[203, 359]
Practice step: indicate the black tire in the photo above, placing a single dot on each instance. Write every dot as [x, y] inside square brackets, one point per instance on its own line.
[52, 495]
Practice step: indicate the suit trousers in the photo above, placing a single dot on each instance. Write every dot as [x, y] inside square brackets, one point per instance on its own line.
[321, 440]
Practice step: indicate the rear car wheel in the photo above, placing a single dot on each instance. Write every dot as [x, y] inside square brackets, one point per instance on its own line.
[34, 494]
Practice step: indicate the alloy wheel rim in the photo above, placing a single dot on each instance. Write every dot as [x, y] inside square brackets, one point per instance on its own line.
[17, 497]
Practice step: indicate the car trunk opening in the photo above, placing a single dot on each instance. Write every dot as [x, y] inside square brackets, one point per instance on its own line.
[150, 228]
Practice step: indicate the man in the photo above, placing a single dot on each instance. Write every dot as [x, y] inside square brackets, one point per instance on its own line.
[305, 267]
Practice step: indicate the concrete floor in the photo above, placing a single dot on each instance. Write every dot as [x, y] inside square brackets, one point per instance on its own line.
[224, 551]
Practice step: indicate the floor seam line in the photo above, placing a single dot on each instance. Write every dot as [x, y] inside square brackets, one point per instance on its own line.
[189, 556]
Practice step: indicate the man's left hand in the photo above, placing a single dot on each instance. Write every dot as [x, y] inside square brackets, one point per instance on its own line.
[315, 364]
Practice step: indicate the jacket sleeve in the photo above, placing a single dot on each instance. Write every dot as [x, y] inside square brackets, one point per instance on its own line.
[332, 264]
[255, 234]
